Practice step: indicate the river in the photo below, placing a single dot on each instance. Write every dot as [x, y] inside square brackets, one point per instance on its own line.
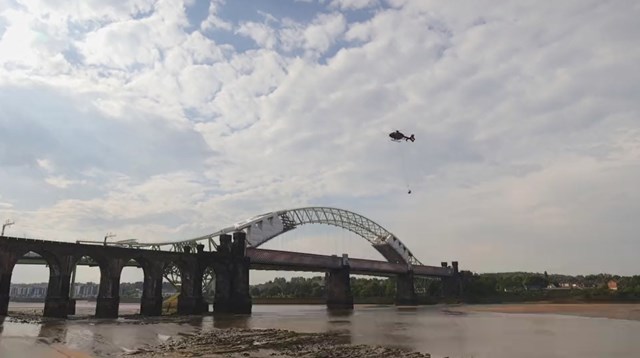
[462, 332]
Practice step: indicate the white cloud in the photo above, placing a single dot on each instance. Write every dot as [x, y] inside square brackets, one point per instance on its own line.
[354, 4]
[61, 182]
[213, 21]
[262, 34]
[314, 38]
[525, 118]
[88, 10]
[46, 165]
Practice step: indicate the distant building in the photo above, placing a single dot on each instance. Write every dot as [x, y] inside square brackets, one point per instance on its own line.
[613, 285]
[28, 290]
[554, 287]
[86, 290]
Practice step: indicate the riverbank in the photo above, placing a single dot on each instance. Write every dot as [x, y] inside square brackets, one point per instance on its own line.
[230, 342]
[628, 311]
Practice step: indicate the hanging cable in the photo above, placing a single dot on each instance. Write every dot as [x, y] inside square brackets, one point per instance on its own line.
[403, 168]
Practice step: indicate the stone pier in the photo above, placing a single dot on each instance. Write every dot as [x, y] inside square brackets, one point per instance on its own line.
[232, 276]
[108, 300]
[240, 296]
[5, 285]
[222, 299]
[57, 301]
[405, 290]
[452, 286]
[151, 301]
[338, 287]
[190, 299]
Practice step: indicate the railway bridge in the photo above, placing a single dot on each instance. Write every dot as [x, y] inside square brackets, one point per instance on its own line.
[229, 253]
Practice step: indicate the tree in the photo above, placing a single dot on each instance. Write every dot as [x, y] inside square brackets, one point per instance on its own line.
[535, 281]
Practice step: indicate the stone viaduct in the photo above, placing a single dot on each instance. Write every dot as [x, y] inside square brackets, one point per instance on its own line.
[229, 263]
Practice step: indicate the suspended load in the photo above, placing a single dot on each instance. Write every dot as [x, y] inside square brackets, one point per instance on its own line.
[398, 136]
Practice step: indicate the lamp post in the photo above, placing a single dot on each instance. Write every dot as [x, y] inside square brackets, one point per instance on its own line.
[108, 236]
[6, 224]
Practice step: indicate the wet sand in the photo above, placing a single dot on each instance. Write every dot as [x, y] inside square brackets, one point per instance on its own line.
[262, 343]
[628, 311]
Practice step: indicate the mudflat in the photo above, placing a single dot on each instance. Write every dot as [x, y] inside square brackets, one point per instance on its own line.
[629, 311]
[262, 343]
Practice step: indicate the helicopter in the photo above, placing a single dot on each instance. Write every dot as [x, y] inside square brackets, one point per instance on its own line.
[398, 136]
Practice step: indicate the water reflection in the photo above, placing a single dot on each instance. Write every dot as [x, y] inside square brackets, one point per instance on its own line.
[339, 313]
[231, 321]
[339, 322]
[427, 329]
[52, 332]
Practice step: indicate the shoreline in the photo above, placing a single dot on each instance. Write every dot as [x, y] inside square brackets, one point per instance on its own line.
[618, 310]
[176, 336]
[228, 342]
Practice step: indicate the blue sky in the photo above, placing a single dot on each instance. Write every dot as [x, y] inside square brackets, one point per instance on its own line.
[169, 119]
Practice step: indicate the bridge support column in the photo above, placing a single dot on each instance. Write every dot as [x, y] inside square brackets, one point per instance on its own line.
[221, 301]
[338, 287]
[108, 300]
[232, 278]
[240, 297]
[5, 285]
[56, 303]
[107, 307]
[405, 291]
[151, 302]
[8, 260]
[451, 286]
[190, 298]
[71, 308]
[187, 305]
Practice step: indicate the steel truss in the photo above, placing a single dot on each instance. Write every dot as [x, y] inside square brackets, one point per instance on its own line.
[289, 219]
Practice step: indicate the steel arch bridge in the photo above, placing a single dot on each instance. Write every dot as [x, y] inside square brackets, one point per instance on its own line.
[262, 228]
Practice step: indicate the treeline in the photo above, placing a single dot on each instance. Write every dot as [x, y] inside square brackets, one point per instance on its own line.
[477, 288]
[301, 287]
[525, 286]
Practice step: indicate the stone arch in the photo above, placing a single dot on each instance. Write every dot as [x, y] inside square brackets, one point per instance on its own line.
[84, 257]
[208, 288]
[151, 300]
[188, 281]
[107, 288]
[53, 260]
[54, 288]
[208, 279]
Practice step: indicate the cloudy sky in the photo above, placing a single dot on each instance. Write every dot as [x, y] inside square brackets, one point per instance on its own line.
[169, 119]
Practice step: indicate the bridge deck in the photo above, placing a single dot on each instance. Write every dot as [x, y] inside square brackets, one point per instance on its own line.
[262, 259]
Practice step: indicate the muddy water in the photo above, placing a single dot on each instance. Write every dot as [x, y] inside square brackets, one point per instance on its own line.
[442, 331]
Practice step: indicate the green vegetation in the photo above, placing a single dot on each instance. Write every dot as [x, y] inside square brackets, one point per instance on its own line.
[300, 287]
[526, 286]
[477, 288]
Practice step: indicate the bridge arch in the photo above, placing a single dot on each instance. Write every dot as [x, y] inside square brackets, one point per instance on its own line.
[262, 228]
[52, 260]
